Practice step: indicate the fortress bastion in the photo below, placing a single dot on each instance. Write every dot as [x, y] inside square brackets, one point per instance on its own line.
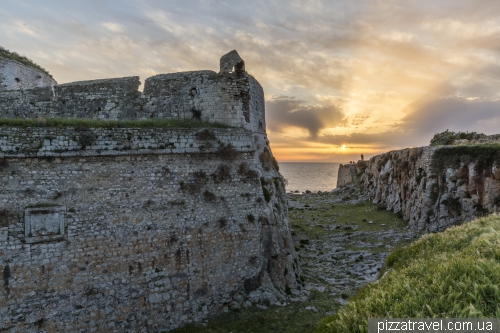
[112, 229]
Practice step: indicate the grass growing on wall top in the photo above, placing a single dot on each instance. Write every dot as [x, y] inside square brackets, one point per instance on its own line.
[4, 53]
[97, 123]
[448, 275]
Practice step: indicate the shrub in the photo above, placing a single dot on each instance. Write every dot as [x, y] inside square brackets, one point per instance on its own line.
[263, 220]
[4, 217]
[448, 137]
[250, 218]
[196, 113]
[443, 138]
[267, 195]
[206, 135]
[263, 181]
[189, 187]
[275, 164]
[223, 173]
[222, 222]
[227, 152]
[266, 159]
[454, 205]
[434, 195]
[3, 163]
[361, 166]
[496, 201]
[86, 139]
[245, 171]
[209, 196]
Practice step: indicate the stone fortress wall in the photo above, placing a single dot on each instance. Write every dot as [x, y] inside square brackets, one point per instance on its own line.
[236, 100]
[140, 230]
[17, 76]
[346, 174]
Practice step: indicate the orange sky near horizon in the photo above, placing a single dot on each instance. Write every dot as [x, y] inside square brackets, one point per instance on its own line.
[372, 76]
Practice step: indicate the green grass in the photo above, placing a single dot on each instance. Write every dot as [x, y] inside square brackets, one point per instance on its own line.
[97, 123]
[452, 274]
[320, 212]
[291, 318]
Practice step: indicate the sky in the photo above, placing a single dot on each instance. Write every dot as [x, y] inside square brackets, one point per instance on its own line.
[341, 78]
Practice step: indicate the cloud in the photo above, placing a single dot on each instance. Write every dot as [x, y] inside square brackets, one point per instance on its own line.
[455, 114]
[426, 119]
[382, 73]
[287, 111]
[114, 27]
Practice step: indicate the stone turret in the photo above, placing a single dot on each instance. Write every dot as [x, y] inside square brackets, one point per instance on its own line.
[231, 62]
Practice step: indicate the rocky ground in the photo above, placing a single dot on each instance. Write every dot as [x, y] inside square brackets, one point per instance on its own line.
[342, 240]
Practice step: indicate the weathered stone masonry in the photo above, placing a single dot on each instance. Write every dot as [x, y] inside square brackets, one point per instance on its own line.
[434, 187]
[17, 76]
[140, 230]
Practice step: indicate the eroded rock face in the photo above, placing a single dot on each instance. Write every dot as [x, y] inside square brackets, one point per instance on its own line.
[435, 187]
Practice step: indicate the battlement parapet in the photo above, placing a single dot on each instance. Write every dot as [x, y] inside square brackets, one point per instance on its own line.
[232, 98]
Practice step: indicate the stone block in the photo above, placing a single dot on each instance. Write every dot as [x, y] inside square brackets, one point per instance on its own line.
[44, 224]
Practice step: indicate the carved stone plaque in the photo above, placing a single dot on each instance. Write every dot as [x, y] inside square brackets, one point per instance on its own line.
[44, 224]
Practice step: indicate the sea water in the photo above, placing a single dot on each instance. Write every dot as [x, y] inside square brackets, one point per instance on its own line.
[314, 177]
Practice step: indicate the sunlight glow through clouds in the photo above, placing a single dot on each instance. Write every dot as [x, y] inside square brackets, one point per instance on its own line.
[370, 76]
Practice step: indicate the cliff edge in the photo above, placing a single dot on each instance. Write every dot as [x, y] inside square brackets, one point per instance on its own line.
[435, 187]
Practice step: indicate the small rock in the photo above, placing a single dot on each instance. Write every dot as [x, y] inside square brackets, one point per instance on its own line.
[342, 301]
[383, 224]
[307, 191]
[312, 308]
[263, 307]
[370, 222]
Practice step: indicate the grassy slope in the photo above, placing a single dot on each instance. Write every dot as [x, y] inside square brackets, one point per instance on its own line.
[452, 274]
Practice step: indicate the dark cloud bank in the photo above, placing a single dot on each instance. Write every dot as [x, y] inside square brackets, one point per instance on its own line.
[287, 111]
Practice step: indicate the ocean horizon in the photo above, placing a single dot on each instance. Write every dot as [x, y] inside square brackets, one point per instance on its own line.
[312, 176]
